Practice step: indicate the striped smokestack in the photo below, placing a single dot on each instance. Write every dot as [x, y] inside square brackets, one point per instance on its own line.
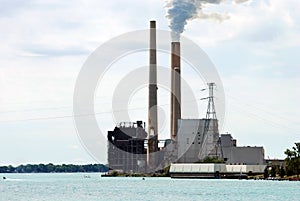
[175, 88]
[152, 102]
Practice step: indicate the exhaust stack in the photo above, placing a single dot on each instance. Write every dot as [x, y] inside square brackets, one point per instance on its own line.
[152, 102]
[175, 89]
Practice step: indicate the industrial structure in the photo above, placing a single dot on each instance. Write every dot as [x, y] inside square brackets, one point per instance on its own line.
[199, 138]
[132, 149]
[214, 170]
[232, 154]
[152, 101]
[175, 109]
[196, 140]
[126, 149]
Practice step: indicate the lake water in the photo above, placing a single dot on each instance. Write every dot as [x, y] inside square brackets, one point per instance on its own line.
[79, 186]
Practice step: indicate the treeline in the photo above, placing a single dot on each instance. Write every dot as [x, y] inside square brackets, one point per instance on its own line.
[49, 168]
[293, 160]
[290, 167]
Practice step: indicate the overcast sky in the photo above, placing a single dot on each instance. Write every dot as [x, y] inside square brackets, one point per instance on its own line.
[45, 43]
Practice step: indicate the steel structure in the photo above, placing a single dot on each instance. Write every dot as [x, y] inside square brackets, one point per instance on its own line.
[211, 124]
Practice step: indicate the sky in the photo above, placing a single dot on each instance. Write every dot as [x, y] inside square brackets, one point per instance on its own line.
[44, 45]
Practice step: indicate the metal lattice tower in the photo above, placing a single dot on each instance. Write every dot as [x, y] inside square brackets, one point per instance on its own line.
[211, 111]
[211, 115]
[211, 123]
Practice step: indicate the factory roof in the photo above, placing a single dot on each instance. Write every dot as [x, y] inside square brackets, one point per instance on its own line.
[215, 167]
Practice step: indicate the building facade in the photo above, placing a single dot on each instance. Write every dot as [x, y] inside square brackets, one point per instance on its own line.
[126, 147]
[232, 154]
[197, 139]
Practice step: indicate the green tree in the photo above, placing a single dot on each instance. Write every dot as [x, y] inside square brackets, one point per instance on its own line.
[293, 160]
[282, 172]
[273, 171]
[266, 173]
[208, 159]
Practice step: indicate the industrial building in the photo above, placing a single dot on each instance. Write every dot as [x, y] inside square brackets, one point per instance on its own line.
[199, 138]
[195, 141]
[132, 149]
[126, 149]
[232, 154]
[211, 170]
[194, 144]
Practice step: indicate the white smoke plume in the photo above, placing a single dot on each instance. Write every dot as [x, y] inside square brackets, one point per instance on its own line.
[180, 11]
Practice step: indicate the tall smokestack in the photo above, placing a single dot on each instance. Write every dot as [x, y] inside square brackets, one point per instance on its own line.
[152, 102]
[175, 88]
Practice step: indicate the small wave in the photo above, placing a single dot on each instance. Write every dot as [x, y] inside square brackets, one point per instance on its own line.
[10, 179]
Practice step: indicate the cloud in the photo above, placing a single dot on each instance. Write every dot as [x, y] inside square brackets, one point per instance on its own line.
[179, 12]
[240, 1]
[9, 8]
[270, 22]
[38, 50]
[44, 44]
[262, 108]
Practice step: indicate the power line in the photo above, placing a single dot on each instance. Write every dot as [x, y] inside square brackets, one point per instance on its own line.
[252, 105]
[85, 115]
[261, 117]
[267, 120]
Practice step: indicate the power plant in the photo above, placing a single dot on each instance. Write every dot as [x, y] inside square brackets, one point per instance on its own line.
[132, 149]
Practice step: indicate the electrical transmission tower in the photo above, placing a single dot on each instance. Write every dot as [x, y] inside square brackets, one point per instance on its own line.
[210, 124]
[211, 111]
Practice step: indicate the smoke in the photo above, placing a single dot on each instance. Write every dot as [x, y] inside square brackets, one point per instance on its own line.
[180, 11]
[240, 1]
